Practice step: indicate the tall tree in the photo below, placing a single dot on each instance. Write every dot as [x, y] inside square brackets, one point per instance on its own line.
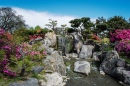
[52, 24]
[9, 20]
[117, 22]
[63, 28]
[101, 26]
[86, 22]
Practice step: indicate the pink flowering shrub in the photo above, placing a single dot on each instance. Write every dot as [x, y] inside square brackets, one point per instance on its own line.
[122, 38]
[10, 52]
[32, 52]
[9, 49]
[123, 46]
[119, 35]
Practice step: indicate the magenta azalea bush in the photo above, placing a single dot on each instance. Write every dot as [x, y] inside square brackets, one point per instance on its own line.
[123, 46]
[11, 52]
[9, 49]
[122, 39]
[119, 35]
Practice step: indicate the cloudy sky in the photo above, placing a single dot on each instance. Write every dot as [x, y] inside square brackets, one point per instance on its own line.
[37, 12]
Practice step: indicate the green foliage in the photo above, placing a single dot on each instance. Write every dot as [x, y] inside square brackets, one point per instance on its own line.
[37, 30]
[52, 24]
[2, 53]
[37, 76]
[70, 30]
[9, 20]
[86, 22]
[88, 31]
[117, 22]
[107, 47]
[20, 36]
[75, 23]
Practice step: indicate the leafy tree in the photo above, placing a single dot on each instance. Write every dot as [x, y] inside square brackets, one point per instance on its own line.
[52, 24]
[37, 27]
[117, 22]
[86, 22]
[101, 26]
[63, 28]
[83, 23]
[75, 23]
[20, 35]
[9, 21]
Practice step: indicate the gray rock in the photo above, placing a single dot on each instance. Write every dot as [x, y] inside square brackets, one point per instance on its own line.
[82, 67]
[77, 41]
[109, 62]
[29, 82]
[126, 75]
[37, 69]
[122, 74]
[121, 63]
[96, 55]
[49, 50]
[55, 63]
[50, 38]
[86, 51]
[46, 48]
[115, 67]
[72, 55]
[54, 79]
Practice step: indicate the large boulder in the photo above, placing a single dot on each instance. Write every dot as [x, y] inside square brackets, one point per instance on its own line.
[46, 48]
[122, 74]
[109, 62]
[82, 67]
[55, 63]
[116, 67]
[86, 51]
[54, 79]
[77, 41]
[29, 82]
[52, 37]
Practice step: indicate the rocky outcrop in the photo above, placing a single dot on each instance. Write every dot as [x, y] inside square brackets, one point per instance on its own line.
[109, 62]
[54, 79]
[82, 67]
[29, 82]
[37, 69]
[77, 42]
[55, 63]
[116, 67]
[86, 51]
[51, 37]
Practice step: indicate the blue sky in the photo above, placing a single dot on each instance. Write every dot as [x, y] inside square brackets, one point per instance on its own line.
[74, 8]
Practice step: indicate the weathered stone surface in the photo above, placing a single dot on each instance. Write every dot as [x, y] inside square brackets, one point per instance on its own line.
[121, 63]
[54, 79]
[52, 38]
[115, 67]
[29, 82]
[77, 41]
[109, 62]
[72, 55]
[96, 55]
[86, 51]
[82, 67]
[55, 63]
[37, 69]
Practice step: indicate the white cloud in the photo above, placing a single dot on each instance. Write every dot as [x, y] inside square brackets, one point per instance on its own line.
[34, 18]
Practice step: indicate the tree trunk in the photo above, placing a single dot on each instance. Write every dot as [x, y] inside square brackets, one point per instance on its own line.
[22, 72]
